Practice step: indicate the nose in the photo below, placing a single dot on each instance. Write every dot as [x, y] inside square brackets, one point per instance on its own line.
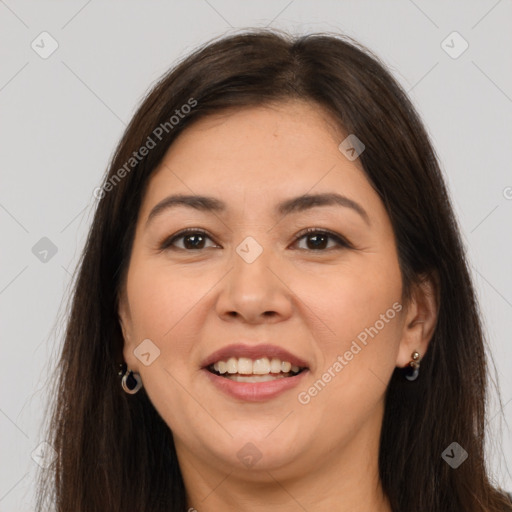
[255, 290]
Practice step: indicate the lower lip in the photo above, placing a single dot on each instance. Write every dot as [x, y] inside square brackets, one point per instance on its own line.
[254, 391]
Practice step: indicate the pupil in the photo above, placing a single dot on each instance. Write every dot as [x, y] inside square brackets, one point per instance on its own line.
[188, 237]
[316, 246]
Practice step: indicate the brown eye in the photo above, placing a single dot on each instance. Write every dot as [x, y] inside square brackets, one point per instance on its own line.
[317, 239]
[193, 240]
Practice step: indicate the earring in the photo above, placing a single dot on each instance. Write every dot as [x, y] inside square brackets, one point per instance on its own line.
[131, 382]
[412, 370]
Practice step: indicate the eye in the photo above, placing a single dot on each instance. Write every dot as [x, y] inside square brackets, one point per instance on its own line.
[320, 237]
[193, 240]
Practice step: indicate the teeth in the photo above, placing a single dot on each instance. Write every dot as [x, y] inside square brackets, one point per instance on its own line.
[262, 366]
[255, 378]
[245, 366]
[275, 365]
[232, 365]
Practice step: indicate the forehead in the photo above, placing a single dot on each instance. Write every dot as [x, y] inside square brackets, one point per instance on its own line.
[251, 155]
[293, 131]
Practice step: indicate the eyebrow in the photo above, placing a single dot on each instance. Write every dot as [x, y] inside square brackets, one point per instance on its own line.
[292, 205]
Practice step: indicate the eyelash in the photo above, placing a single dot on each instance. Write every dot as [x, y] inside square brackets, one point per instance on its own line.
[342, 242]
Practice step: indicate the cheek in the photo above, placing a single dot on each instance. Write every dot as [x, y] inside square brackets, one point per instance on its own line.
[162, 305]
[359, 307]
[357, 362]
[160, 298]
[161, 311]
[353, 296]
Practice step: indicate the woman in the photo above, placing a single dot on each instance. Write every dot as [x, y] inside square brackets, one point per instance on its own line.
[273, 309]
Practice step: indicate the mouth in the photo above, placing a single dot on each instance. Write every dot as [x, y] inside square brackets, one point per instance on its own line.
[263, 369]
[254, 373]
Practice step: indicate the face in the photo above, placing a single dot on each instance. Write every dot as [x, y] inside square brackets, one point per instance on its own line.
[249, 290]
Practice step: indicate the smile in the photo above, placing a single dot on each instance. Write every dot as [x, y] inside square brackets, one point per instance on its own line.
[254, 373]
[264, 369]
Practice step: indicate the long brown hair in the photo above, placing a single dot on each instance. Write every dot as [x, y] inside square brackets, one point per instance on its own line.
[114, 451]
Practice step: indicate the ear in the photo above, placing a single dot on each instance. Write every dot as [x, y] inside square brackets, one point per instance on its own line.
[420, 318]
[124, 316]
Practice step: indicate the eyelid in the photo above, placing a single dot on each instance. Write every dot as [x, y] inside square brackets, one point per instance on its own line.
[340, 240]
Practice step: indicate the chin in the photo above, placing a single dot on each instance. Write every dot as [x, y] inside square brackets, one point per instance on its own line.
[258, 449]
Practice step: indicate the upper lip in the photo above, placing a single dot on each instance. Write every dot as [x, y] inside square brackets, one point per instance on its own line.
[253, 352]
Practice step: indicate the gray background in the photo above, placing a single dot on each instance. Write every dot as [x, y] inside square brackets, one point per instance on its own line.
[62, 116]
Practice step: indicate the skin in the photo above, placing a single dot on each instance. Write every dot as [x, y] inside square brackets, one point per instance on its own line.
[318, 456]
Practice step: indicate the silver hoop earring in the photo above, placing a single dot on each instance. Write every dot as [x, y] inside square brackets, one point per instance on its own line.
[131, 382]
